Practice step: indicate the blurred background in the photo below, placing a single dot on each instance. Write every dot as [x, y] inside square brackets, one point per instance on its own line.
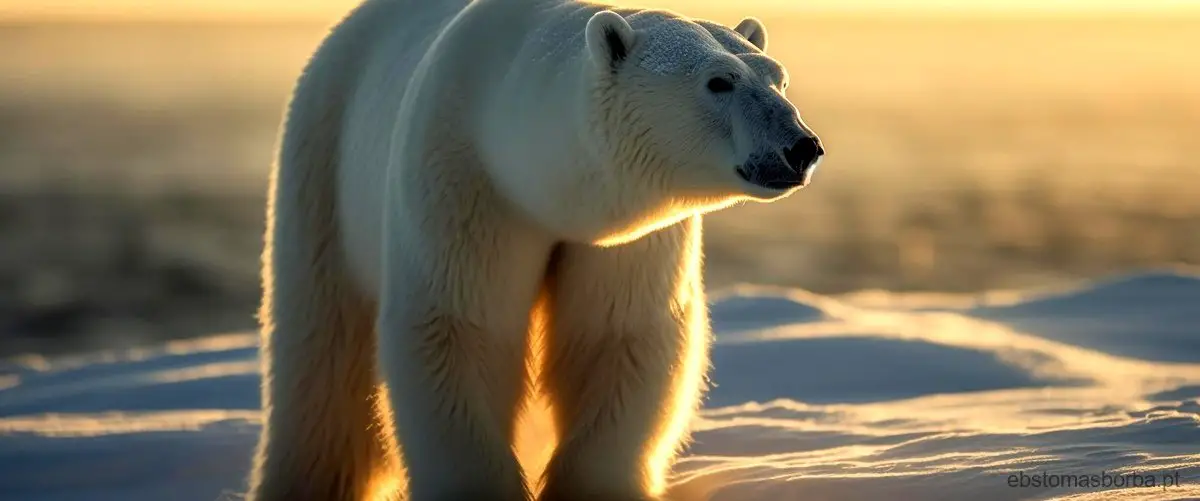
[990, 146]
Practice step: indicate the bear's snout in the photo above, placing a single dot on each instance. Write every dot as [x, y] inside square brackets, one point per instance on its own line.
[784, 169]
[804, 153]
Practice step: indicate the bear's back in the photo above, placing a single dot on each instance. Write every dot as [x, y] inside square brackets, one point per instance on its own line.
[385, 41]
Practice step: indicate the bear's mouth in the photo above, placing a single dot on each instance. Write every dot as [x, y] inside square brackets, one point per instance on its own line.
[802, 178]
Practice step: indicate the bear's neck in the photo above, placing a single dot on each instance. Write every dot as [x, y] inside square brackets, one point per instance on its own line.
[543, 114]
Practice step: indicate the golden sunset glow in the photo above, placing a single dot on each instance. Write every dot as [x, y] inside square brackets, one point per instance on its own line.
[308, 9]
[992, 278]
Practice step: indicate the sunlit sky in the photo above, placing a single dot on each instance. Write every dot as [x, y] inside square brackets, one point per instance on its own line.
[138, 9]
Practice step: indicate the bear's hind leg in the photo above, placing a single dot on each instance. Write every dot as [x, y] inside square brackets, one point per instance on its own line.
[323, 436]
[625, 357]
[325, 433]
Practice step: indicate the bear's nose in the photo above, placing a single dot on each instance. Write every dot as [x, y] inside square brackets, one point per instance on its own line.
[804, 153]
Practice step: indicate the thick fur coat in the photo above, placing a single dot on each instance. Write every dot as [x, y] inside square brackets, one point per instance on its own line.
[474, 201]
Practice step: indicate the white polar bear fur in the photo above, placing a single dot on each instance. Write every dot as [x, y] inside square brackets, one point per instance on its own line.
[437, 213]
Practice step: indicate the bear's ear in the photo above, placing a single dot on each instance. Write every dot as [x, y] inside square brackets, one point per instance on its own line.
[754, 31]
[609, 38]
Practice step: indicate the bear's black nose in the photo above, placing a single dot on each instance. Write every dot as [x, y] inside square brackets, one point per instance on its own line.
[804, 153]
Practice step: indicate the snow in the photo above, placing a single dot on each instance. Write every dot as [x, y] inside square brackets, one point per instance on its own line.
[861, 397]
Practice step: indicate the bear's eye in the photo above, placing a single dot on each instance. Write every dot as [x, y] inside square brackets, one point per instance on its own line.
[720, 85]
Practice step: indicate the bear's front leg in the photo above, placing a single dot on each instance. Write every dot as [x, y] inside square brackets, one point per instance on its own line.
[624, 364]
[453, 343]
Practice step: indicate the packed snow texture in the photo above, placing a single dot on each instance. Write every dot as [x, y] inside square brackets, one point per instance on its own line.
[863, 397]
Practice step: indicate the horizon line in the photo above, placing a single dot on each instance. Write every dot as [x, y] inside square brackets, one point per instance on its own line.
[327, 10]
[209, 16]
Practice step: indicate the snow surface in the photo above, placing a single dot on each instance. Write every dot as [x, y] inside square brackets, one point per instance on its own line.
[868, 397]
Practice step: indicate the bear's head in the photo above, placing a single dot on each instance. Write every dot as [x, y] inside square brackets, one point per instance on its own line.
[697, 108]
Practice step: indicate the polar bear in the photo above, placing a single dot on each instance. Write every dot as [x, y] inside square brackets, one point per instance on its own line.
[465, 188]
